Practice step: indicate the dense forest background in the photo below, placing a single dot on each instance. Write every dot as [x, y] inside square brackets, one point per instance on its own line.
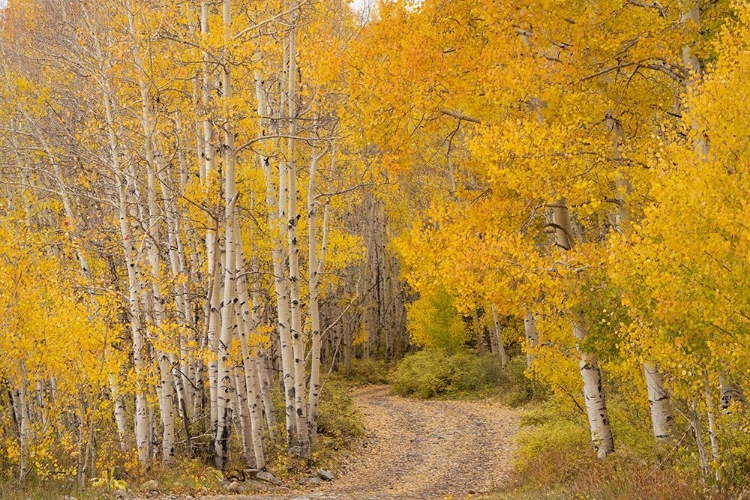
[212, 208]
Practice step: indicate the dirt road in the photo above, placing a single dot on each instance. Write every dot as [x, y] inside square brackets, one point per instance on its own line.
[426, 450]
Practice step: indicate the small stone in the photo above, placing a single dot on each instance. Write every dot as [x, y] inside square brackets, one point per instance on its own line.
[325, 475]
[250, 473]
[233, 487]
[69, 497]
[268, 477]
[252, 484]
[152, 485]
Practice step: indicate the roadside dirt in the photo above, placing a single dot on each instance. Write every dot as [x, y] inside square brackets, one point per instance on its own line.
[426, 450]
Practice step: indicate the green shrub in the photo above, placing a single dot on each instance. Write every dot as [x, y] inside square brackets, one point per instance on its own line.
[339, 419]
[367, 371]
[434, 373]
[518, 389]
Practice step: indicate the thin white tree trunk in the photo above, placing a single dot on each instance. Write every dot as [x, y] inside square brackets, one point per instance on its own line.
[166, 397]
[131, 255]
[662, 418]
[695, 423]
[228, 316]
[498, 335]
[244, 415]
[298, 344]
[532, 337]
[596, 407]
[247, 324]
[316, 264]
[214, 272]
[710, 409]
[277, 218]
[24, 423]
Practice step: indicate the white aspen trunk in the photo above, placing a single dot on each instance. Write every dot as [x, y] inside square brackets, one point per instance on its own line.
[478, 333]
[277, 218]
[532, 337]
[662, 418]
[710, 409]
[264, 382]
[729, 392]
[24, 424]
[695, 423]
[298, 344]
[244, 415]
[228, 317]
[119, 410]
[166, 397]
[248, 322]
[596, 407]
[207, 165]
[131, 255]
[181, 292]
[316, 264]
[493, 343]
[498, 335]
[213, 335]
[214, 271]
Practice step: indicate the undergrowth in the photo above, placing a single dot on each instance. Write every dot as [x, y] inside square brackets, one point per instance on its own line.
[437, 374]
[367, 371]
[555, 460]
[340, 425]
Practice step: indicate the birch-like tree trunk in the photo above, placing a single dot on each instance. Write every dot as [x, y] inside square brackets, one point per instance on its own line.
[662, 418]
[498, 335]
[596, 407]
[248, 322]
[316, 264]
[298, 344]
[228, 316]
[532, 337]
[277, 219]
[166, 399]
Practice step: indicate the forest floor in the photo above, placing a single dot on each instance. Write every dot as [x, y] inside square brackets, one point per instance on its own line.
[417, 449]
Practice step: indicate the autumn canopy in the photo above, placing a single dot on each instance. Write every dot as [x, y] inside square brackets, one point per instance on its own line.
[209, 206]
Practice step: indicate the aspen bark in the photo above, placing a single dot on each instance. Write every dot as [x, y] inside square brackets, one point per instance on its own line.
[662, 419]
[596, 407]
[730, 392]
[130, 254]
[248, 322]
[166, 404]
[298, 344]
[316, 264]
[710, 409]
[228, 316]
[695, 423]
[498, 335]
[244, 415]
[532, 337]
[25, 423]
[277, 219]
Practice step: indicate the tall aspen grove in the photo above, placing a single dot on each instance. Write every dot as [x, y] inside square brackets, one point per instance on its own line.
[219, 219]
